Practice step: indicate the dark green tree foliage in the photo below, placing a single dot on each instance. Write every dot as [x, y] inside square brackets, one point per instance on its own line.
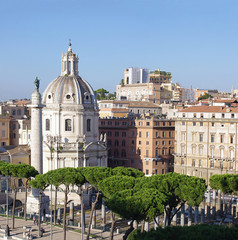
[195, 232]
[114, 184]
[177, 188]
[227, 183]
[132, 172]
[144, 204]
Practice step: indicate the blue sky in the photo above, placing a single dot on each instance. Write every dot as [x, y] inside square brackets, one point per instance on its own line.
[194, 40]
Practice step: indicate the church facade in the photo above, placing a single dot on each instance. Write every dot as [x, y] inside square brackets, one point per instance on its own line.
[70, 121]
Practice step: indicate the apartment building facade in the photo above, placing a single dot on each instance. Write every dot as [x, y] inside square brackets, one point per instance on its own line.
[145, 143]
[206, 141]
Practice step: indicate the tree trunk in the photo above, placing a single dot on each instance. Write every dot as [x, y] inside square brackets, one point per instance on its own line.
[14, 188]
[13, 208]
[91, 214]
[128, 231]
[26, 187]
[65, 206]
[39, 220]
[112, 225]
[56, 190]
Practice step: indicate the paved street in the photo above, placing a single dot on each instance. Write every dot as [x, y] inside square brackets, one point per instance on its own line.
[57, 232]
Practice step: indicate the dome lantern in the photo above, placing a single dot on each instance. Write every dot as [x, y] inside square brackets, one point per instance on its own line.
[69, 63]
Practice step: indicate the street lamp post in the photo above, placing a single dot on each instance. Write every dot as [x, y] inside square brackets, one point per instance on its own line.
[7, 227]
[51, 209]
[82, 217]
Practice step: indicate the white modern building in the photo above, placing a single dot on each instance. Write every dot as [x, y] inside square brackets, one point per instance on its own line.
[136, 75]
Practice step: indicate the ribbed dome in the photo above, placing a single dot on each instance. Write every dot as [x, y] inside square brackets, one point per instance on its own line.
[69, 90]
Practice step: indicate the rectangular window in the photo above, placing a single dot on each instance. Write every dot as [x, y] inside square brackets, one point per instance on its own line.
[147, 153]
[116, 134]
[221, 138]
[123, 134]
[193, 162]
[147, 172]
[232, 115]
[211, 164]
[147, 143]
[147, 134]
[163, 134]
[201, 137]
[3, 133]
[232, 139]
[183, 123]
[139, 134]
[194, 123]
[170, 134]
[212, 138]
[201, 124]
[200, 162]
[213, 124]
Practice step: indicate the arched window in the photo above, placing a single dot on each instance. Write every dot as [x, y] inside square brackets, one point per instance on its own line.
[69, 70]
[68, 125]
[47, 124]
[88, 125]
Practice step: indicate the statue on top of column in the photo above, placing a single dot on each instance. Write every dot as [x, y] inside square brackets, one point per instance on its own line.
[37, 83]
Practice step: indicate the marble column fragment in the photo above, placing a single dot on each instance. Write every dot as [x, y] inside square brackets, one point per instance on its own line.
[196, 215]
[182, 216]
[208, 204]
[189, 215]
[156, 224]
[71, 211]
[203, 212]
[103, 212]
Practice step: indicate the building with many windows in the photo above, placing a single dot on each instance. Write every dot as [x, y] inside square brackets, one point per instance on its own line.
[145, 143]
[206, 141]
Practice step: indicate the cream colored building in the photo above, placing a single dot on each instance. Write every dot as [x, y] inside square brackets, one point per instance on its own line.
[206, 139]
[4, 130]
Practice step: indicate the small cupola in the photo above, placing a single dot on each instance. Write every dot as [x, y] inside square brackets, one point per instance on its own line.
[69, 63]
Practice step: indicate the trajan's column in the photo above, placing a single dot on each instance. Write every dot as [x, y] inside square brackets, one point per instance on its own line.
[36, 150]
[36, 129]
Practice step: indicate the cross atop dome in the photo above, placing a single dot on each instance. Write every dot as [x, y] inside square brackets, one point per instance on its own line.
[70, 49]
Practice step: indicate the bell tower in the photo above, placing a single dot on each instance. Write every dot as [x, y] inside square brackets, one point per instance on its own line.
[69, 63]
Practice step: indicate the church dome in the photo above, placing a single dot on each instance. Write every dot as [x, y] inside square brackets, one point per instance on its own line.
[69, 88]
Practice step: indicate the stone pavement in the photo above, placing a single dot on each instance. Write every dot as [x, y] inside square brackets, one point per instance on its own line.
[17, 233]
